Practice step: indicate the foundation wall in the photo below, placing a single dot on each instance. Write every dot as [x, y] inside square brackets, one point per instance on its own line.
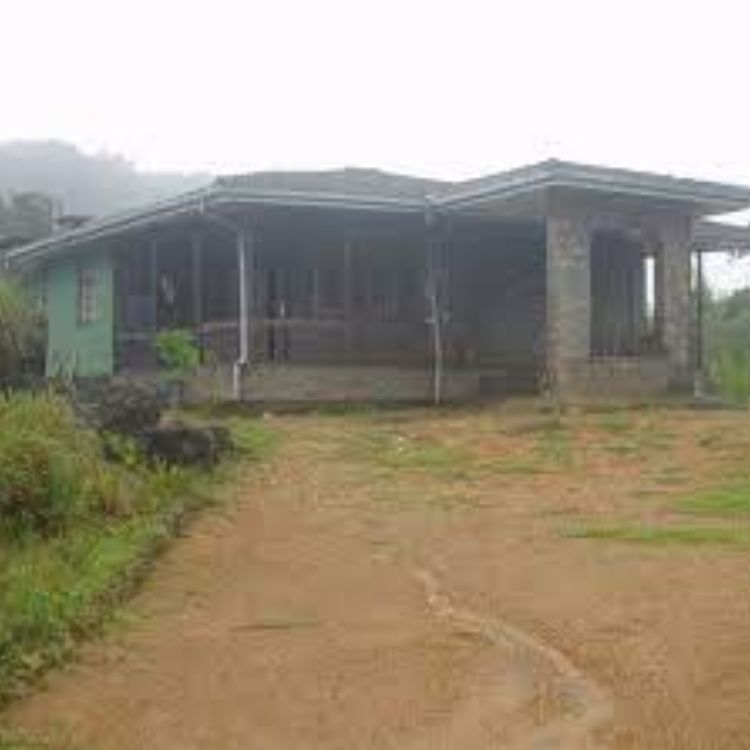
[310, 383]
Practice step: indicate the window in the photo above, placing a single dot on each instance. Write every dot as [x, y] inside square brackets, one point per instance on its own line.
[87, 280]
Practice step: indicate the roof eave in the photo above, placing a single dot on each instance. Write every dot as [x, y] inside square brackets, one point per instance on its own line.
[708, 197]
[197, 203]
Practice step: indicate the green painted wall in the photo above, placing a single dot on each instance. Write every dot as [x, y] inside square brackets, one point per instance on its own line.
[81, 349]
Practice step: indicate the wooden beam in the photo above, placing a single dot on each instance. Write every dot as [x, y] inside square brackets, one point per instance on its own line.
[433, 303]
[196, 267]
[153, 261]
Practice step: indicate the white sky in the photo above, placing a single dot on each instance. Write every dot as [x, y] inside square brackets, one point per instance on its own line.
[434, 87]
[439, 88]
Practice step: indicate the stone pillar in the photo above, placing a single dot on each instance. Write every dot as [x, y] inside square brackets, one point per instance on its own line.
[674, 300]
[568, 301]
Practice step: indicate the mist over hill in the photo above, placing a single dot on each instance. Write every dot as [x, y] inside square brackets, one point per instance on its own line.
[83, 183]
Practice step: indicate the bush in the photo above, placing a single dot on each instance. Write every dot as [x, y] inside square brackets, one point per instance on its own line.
[177, 352]
[51, 469]
[21, 332]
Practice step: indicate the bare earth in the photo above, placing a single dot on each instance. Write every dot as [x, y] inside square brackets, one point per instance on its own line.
[408, 580]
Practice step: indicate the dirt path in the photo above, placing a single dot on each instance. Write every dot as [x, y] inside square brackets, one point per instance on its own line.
[339, 602]
[289, 622]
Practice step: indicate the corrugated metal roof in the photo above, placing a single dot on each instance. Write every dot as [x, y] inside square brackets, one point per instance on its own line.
[371, 189]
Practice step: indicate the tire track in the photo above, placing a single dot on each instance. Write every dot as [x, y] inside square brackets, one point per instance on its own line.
[587, 709]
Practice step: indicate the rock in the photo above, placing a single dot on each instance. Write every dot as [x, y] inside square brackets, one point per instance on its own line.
[186, 445]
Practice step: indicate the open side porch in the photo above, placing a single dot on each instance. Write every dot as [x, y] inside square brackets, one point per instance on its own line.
[307, 304]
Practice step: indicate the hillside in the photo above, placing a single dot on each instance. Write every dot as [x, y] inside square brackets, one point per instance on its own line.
[83, 183]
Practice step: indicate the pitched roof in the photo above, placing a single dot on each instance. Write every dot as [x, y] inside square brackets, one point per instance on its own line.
[371, 189]
[708, 197]
[351, 181]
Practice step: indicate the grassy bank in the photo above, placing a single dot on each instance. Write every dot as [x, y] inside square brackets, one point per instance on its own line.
[64, 568]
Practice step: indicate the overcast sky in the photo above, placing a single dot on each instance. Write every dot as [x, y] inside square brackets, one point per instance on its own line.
[450, 88]
[453, 88]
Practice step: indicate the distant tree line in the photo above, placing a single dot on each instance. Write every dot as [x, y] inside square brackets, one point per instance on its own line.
[23, 217]
[80, 183]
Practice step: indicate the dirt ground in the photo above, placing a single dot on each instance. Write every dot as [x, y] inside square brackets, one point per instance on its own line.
[489, 578]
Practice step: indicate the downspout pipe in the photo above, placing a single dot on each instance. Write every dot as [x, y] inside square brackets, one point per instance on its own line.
[241, 363]
[435, 319]
[243, 238]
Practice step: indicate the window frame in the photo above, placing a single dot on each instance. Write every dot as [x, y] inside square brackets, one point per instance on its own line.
[87, 294]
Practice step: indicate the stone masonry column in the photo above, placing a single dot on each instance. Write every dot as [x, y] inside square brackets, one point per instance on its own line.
[568, 301]
[674, 300]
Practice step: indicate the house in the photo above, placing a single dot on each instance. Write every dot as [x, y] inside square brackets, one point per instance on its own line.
[359, 284]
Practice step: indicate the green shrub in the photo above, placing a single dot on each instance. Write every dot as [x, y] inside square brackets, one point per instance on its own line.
[177, 352]
[51, 469]
[21, 331]
[731, 374]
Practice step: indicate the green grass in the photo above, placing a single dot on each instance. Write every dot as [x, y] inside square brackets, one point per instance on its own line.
[657, 536]
[616, 423]
[8, 742]
[57, 738]
[732, 499]
[395, 451]
[630, 440]
[555, 448]
[254, 439]
[671, 476]
[531, 466]
[56, 590]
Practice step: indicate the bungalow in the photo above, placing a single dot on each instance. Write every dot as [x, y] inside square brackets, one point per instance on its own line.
[359, 284]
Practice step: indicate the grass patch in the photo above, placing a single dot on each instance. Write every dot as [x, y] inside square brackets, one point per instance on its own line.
[624, 448]
[8, 742]
[254, 440]
[657, 536]
[57, 588]
[58, 739]
[671, 476]
[634, 441]
[396, 451]
[519, 467]
[554, 447]
[616, 423]
[730, 500]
